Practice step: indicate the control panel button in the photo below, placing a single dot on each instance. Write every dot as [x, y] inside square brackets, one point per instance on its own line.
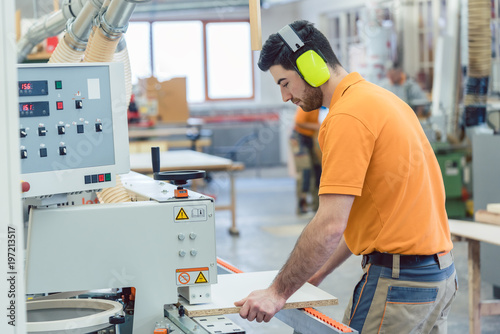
[58, 84]
[43, 152]
[25, 186]
[24, 154]
[62, 150]
[61, 129]
[59, 105]
[101, 177]
[79, 128]
[88, 179]
[98, 127]
[23, 133]
[42, 131]
[78, 104]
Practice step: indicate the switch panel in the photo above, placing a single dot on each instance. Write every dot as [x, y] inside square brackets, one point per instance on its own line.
[64, 143]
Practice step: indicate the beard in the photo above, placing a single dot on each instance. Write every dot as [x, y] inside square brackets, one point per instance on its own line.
[313, 98]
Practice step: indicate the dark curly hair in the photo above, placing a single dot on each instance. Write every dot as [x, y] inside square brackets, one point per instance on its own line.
[275, 52]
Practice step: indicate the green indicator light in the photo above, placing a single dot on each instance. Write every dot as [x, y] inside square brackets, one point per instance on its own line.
[58, 84]
[107, 177]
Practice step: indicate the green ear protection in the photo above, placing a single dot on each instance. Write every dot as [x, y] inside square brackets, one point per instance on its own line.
[307, 60]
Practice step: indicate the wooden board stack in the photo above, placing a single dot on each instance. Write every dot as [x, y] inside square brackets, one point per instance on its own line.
[491, 215]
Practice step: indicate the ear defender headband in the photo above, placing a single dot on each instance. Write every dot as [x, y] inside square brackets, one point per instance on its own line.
[307, 60]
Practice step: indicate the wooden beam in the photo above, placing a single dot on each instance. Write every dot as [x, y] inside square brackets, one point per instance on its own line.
[255, 25]
[474, 287]
[18, 25]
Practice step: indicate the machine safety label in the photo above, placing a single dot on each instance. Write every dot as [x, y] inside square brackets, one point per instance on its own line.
[192, 276]
[181, 215]
[201, 278]
[190, 213]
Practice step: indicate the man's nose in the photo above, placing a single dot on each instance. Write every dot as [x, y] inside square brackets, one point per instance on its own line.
[285, 95]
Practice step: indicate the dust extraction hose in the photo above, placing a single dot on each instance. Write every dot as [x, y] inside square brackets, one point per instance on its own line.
[479, 67]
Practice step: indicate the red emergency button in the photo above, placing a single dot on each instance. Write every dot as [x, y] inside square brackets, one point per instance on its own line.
[25, 186]
[59, 105]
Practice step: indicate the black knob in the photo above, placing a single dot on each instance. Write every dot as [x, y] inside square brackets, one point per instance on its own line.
[117, 319]
[182, 312]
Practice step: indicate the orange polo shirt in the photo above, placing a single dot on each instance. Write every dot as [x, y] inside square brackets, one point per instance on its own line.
[302, 116]
[375, 149]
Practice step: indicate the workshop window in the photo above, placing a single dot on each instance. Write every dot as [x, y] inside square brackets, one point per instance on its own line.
[215, 57]
[229, 60]
[178, 52]
[137, 38]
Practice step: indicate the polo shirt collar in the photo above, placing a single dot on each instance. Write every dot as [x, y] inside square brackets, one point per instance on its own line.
[350, 79]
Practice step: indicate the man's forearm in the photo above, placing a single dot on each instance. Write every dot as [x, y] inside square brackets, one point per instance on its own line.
[315, 246]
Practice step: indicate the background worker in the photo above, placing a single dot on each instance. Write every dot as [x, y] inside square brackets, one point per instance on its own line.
[407, 89]
[381, 196]
[307, 158]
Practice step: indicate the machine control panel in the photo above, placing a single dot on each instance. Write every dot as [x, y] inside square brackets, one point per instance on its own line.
[67, 119]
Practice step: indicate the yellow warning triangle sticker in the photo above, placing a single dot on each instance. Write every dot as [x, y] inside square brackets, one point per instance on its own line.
[181, 215]
[201, 278]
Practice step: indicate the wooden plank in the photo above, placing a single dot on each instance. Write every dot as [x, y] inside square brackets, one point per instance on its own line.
[493, 207]
[234, 287]
[484, 216]
[475, 231]
[490, 307]
[178, 160]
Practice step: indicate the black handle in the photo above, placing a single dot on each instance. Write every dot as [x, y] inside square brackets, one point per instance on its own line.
[155, 158]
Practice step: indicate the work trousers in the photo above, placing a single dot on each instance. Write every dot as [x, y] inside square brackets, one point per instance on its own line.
[403, 299]
[307, 165]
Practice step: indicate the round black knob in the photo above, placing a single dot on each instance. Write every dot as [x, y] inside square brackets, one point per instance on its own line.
[117, 319]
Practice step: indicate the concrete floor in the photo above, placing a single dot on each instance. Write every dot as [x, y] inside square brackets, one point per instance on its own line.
[269, 228]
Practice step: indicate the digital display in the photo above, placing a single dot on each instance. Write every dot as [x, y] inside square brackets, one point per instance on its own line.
[34, 109]
[27, 107]
[33, 88]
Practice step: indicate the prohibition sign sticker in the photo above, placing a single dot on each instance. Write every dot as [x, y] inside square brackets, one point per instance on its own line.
[184, 275]
[184, 278]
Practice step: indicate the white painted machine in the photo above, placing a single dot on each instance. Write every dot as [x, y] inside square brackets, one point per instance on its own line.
[73, 134]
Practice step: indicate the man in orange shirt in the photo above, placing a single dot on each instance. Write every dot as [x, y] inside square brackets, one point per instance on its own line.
[381, 196]
[303, 143]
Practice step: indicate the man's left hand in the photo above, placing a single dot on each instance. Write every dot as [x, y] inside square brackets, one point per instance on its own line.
[261, 305]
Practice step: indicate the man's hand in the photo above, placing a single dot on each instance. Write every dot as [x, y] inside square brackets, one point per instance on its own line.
[261, 305]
